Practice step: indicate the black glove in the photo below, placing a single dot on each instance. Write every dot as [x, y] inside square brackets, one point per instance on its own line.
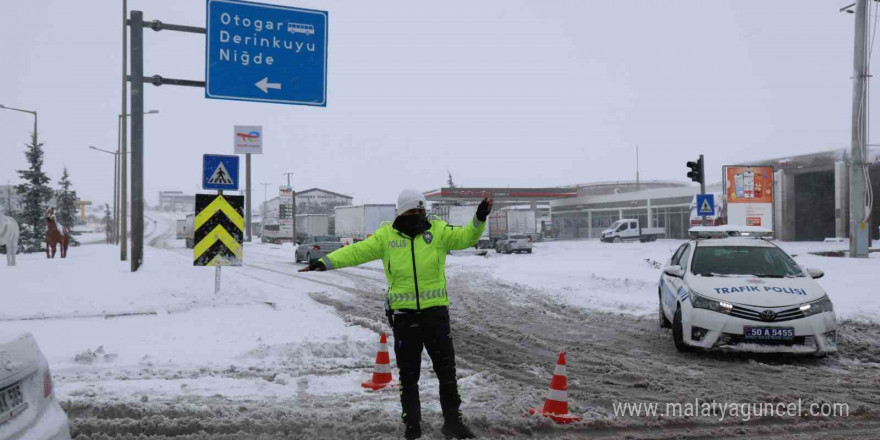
[484, 209]
[314, 265]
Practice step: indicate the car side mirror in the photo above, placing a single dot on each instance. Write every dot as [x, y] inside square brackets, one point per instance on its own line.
[674, 271]
[815, 273]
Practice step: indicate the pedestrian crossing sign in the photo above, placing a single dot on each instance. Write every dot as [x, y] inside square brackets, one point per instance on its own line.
[705, 204]
[220, 172]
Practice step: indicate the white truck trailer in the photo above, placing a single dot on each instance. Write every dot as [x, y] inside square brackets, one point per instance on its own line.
[461, 216]
[312, 225]
[512, 221]
[181, 229]
[361, 221]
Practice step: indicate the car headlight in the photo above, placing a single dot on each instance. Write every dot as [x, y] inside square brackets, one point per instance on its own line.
[820, 306]
[701, 302]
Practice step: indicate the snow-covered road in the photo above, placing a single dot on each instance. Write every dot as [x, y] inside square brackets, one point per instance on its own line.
[281, 355]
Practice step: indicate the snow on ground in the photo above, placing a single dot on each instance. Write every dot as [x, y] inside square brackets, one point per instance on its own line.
[161, 334]
[619, 277]
[622, 277]
[113, 335]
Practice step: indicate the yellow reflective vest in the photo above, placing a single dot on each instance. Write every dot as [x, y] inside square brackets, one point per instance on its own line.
[415, 267]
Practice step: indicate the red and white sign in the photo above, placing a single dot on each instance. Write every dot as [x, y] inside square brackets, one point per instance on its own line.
[749, 194]
[248, 139]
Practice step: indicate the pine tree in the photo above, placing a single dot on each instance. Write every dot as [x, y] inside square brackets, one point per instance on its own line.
[65, 200]
[108, 223]
[36, 194]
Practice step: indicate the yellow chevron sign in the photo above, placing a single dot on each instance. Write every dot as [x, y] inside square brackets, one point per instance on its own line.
[218, 230]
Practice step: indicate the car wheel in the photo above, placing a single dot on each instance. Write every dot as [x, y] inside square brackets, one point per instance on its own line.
[497, 250]
[616, 240]
[529, 251]
[678, 333]
[664, 322]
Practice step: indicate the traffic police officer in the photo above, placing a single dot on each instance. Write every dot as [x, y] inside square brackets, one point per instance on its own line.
[413, 251]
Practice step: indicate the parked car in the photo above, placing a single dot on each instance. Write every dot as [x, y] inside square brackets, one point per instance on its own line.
[28, 408]
[513, 243]
[316, 247]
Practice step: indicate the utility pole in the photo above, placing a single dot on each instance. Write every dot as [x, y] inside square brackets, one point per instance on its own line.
[123, 156]
[292, 207]
[137, 140]
[637, 167]
[858, 227]
[265, 187]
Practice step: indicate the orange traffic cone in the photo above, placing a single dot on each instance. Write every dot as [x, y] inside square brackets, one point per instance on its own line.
[382, 370]
[556, 405]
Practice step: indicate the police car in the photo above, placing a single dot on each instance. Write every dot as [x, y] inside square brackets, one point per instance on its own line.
[730, 288]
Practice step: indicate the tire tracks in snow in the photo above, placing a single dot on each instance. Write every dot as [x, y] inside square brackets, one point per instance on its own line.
[507, 337]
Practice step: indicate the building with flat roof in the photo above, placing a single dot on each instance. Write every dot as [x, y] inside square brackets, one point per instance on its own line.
[810, 200]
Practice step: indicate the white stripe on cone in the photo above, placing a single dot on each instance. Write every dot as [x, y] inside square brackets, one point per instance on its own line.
[382, 368]
[383, 348]
[560, 370]
[557, 395]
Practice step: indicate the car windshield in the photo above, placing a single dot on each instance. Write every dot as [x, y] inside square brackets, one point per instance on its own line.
[770, 262]
[615, 224]
[326, 238]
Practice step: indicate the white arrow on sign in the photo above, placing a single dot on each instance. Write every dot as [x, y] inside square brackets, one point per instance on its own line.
[265, 85]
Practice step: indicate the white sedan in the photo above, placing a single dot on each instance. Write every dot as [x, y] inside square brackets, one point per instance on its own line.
[747, 294]
[28, 408]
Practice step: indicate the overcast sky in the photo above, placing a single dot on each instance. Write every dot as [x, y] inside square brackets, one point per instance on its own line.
[500, 93]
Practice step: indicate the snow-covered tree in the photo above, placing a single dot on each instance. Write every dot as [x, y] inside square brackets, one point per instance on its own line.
[35, 195]
[66, 201]
[108, 223]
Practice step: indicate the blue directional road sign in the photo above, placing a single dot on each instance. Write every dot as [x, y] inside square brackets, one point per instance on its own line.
[267, 53]
[705, 204]
[220, 172]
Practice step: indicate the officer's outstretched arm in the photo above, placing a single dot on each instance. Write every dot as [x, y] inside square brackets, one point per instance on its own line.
[462, 237]
[457, 238]
[354, 254]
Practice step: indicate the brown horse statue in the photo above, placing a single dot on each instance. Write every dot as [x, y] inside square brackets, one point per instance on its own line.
[55, 236]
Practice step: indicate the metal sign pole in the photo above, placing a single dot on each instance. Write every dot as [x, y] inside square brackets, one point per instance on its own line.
[247, 199]
[703, 184]
[217, 267]
[137, 139]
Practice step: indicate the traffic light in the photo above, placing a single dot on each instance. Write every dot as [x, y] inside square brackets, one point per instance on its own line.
[696, 170]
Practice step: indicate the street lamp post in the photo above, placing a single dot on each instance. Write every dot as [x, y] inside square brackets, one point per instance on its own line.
[115, 232]
[123, 183]
[33, 112]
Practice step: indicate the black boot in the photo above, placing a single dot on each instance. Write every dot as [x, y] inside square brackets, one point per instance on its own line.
[413, 431]
[455, 428]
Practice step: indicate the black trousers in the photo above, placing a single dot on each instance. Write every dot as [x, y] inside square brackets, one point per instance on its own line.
[428, 328]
